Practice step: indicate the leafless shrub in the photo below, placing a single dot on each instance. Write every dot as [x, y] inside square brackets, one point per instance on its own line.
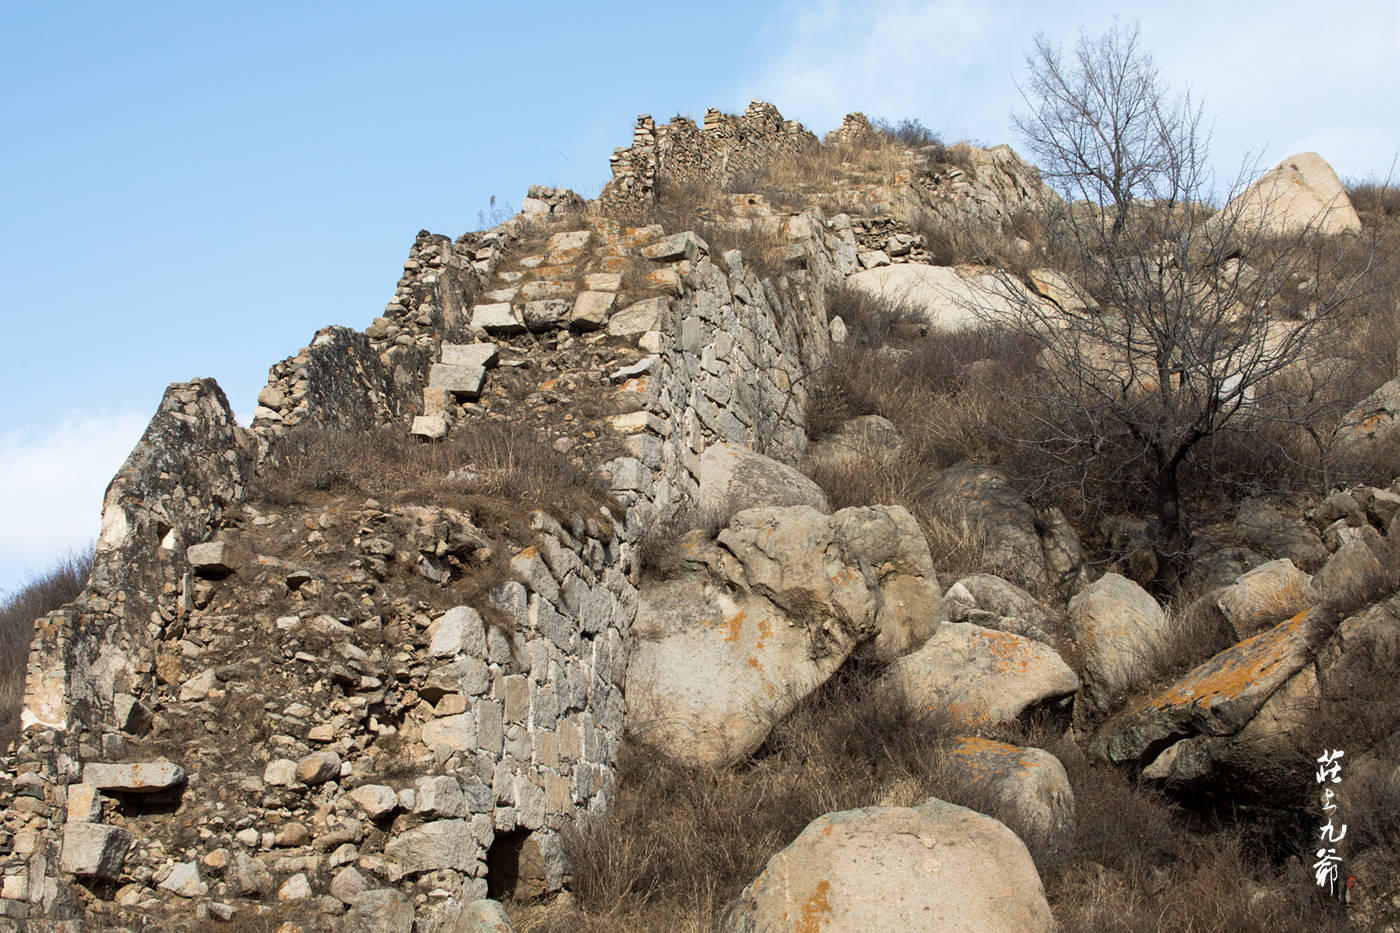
[41, 595]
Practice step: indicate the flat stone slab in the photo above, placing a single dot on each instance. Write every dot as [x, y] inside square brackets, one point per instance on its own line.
[496, 319]
[591, 310]
[677, 246]
[94, 850]
[470, 354]
[462, 380]
[214, 558]
[638, 317]
[146, 777]
[433, 427]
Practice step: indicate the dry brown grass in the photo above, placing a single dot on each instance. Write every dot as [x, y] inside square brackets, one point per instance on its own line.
[41, 595]
[499, 471]
[681, 842]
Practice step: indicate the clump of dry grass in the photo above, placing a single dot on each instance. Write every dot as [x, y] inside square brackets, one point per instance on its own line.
[681, 841]
[41, 595]
[500, 471]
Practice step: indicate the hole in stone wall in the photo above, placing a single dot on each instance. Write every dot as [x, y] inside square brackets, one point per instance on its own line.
[515, 867]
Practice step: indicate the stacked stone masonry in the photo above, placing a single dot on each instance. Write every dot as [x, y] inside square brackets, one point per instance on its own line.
[504, 731]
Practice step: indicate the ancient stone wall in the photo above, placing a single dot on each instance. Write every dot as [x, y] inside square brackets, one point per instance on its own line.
[284, 690]
[680, 153]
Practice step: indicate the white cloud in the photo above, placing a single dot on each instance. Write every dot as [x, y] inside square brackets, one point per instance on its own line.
[888, 61]
[1288, 80]
[51, 487]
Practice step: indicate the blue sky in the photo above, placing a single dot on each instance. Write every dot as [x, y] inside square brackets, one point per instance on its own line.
[194, 189]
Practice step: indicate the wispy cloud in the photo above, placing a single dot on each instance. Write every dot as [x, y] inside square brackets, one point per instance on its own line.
[51, 486]
[1275, 83]
[890, 60]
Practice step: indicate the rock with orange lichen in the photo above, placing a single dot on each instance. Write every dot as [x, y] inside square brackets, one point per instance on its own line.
[935, 867]
[1216, 699]
[978, 676]
[760, 618]
[1121, 631]
[1265, 596]
[1028, 785]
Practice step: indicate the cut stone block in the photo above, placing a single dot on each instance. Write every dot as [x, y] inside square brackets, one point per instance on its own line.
[432, 427]
[214, 558]
[638, 317]
[603, 281]
[591, 310]
[546, 314]
[677, 246]
[94, 850]
[470, 354]
[461, 380]
[496, 319]
[567, 246]
[437, 401]
[146, 777]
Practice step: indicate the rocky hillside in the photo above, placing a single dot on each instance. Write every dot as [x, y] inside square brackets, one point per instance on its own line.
[678, 534]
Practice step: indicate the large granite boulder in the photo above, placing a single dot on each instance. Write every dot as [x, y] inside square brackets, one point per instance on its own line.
[983, 499]
[946, 298]
[1301, 191]
[1121, 633]
[936, 867]
[1265, 596]
[1215, 700]
[1028, 785]
[734, 478]
[756, 620]
[980, 677]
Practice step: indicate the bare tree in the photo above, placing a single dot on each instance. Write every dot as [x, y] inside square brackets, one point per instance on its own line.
[1165, 320]
[1102, 126]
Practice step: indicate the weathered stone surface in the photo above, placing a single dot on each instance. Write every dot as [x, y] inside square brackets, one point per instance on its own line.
[1264, 527]
[947, 299]
[432, 427]
[214, 558]
[638, 317]
[460, 630]
[1353, 569]
[249, 877]
[383, 910]
[733, 478]
[482, 354]
[1121, 631]
[439, 797]
[677, 246]
[84, 804]
[1218, 697]
[147, 777]
[765, 615]
[280, 772]
[318, 768]
[484, 916]
[377, 800]
[1374, 425]
[1030, 783]
[934, 867]
[981, 499]
[462, 380]
[435, 845]
[980, 677]
[496, 319]
[1301, 191]
[591, 310]
[184, 881]
[1265, 596]
[94, 850]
